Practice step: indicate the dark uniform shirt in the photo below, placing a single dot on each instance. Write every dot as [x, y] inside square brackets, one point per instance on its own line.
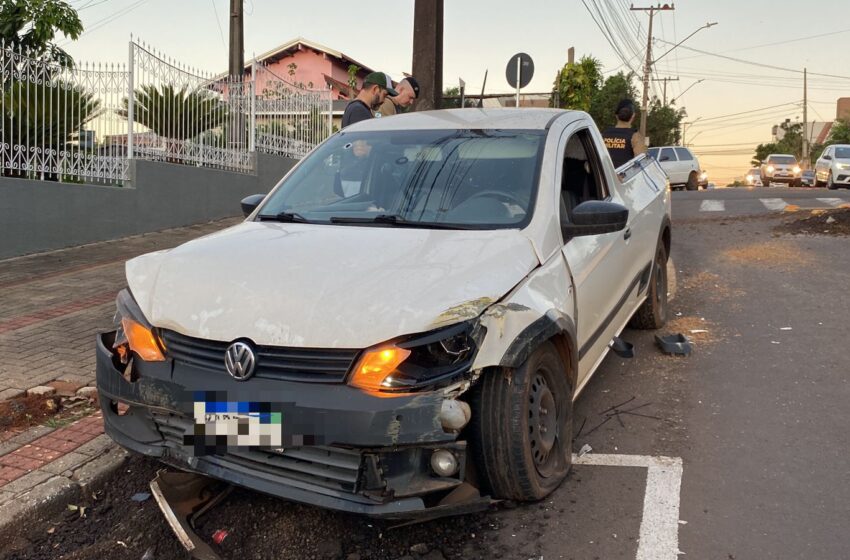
[355, 112]
[619, 144]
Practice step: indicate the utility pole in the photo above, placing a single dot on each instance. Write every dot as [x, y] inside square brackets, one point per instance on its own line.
[647, 67]
[428, 53]
[806, 162]
[237, 39]
[236, 71]
[665, 80]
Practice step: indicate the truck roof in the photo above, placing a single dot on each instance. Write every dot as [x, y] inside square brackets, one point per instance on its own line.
[453, 119]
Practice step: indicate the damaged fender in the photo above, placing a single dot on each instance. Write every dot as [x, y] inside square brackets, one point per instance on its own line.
[539, 308]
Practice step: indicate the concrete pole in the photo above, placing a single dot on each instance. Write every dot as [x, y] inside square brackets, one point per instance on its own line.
[644, 106]
[805, 121]
[428, 53]
[236, 66]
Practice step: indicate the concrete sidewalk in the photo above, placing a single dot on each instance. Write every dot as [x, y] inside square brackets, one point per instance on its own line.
[51, 306]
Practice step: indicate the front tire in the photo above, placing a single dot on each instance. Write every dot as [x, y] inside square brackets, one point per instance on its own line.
[829, 182]
[522, 427]
[653, 313]
[693, 183]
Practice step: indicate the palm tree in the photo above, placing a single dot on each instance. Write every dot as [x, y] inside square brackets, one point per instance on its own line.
[177, 114]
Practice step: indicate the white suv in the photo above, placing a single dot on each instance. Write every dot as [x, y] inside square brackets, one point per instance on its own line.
[781, 168]
[833, 167]
[680, 164]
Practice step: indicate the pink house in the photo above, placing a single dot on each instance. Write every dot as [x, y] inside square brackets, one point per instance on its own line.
[313, 66]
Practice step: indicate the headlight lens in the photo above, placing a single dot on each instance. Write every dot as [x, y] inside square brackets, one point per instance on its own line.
[843, 165]
[703, 176]
[416, 362]
[797, 170]
[134, 331]
[770, 169]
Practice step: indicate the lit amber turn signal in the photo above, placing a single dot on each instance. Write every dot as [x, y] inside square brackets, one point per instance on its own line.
[142, 341]
[376, 365]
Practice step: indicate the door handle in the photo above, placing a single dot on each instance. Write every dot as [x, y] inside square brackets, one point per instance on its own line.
[628, 233]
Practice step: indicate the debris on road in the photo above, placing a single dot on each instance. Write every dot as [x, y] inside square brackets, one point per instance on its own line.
[141, 497]
[834, 221]
[183, 498]
[675, 344]
[585, 449]
[219, 536]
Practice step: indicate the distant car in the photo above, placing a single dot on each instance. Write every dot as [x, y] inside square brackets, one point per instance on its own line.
[754, 178]
[781, 168]
[681, 166]
[808, 177]
[833, 167]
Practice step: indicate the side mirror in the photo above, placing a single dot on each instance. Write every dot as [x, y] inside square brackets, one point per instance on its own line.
[827, 156]
[595, 217]
[250, 203]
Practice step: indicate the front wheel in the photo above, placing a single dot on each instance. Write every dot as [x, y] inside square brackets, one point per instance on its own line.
[693, 183]
[653, 313]
[522, 427]
[829, 182]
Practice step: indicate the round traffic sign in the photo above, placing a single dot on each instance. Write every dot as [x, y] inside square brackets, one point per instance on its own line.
[526, 70]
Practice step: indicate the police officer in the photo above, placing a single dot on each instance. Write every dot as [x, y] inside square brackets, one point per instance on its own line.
[622, 141]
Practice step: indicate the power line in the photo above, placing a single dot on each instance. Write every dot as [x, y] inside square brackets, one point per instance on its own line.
[809, 37]
[218, 21]
[762, 65]
[703, 119]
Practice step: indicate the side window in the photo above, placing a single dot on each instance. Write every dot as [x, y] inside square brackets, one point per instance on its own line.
[684, 154]
[582, 178]
[667, 154]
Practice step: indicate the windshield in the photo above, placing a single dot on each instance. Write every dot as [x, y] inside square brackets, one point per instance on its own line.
[461, 178]
[783, 160]
[842, 153]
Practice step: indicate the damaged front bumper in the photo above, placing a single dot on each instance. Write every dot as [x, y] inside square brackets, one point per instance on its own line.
[340, 448]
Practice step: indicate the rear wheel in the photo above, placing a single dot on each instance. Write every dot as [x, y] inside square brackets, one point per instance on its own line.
[693, 183]
[653, 313]
[522, 430]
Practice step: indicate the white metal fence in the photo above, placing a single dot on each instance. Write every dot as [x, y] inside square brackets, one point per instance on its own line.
[83, 123]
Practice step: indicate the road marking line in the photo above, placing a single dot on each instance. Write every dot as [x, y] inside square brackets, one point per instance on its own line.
[774, 203]
[831, 201]
[712, 206]
[659, 525]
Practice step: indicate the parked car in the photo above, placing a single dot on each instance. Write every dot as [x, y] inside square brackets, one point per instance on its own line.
[703, 179]
[754, 177]
[680, 164]
[807, 177]
[833, 167]
[408, 315]
[781, 168]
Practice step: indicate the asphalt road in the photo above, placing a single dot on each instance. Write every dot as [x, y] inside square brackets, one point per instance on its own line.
[757, 414]
[742, 201]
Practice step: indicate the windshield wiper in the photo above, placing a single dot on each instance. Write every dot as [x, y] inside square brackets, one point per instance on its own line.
[293, 217]
[392, 219]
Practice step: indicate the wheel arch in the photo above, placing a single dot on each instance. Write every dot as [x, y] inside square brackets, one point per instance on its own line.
[552, 327]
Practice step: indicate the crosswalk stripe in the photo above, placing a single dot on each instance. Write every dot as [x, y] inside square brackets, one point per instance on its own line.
[831, 201]
[774, 203]
[709, 205]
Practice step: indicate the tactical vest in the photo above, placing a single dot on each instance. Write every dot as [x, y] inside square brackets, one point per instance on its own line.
[619, 144]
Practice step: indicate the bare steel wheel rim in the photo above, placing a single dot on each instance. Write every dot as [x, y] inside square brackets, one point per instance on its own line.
[543, 425]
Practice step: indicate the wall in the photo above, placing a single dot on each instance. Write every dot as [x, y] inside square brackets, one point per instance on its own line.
[41, 215]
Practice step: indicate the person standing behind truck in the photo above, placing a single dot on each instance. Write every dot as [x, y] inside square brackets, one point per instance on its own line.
[622, 141]
[376, 87]
[408, 92]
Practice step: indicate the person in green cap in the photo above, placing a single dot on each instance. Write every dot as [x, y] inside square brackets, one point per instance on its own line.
[376, 87]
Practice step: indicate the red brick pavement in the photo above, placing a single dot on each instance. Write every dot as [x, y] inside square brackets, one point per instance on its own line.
[48, 313]
[48, 448]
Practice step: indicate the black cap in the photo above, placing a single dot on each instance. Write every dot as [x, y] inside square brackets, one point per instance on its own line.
[414, 84]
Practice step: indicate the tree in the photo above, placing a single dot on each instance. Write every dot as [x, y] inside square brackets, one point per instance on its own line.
[604, 102]
[451, 103]
[840, 132]
[663, 123]
[177, 113]
[353, 69]
[577, 82]
[32, 25]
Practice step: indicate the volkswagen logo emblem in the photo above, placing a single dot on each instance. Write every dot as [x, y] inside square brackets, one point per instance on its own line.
[239, 361]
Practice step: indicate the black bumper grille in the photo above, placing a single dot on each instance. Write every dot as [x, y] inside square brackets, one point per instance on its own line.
[317, 365]
[329, 467]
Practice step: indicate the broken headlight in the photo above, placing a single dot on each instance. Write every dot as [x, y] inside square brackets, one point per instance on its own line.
[417, 362]
[134, 332]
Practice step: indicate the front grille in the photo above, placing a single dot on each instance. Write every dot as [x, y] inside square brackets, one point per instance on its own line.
[329, 467]
[317, 365]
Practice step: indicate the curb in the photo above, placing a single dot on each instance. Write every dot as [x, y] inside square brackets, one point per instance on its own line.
[48, 489]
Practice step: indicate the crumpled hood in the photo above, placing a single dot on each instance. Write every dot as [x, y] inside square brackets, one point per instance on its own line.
[326, 286]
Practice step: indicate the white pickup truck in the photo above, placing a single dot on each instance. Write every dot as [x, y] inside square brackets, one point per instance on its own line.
[401, 326]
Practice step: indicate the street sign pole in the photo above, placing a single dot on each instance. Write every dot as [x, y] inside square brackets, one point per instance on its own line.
[518, 78]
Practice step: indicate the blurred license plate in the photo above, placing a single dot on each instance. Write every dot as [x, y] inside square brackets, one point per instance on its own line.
[242, 423]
